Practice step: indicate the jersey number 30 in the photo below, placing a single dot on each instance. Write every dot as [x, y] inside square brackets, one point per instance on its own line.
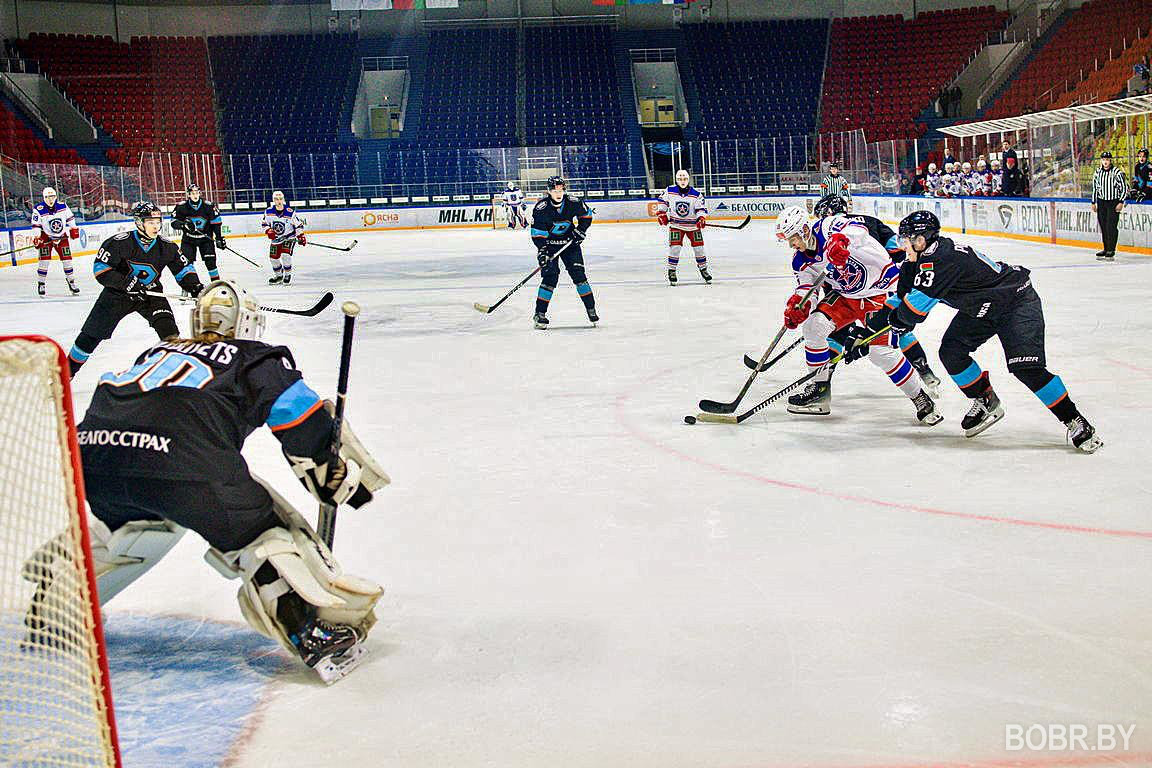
[163, 369]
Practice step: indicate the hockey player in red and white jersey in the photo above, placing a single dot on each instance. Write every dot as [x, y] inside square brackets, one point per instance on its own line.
[682, 209]
[285, 229]
[861, 275]
[57, 224]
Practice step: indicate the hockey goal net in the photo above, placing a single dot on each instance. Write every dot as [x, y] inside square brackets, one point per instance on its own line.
[500, 214]
[55, 699]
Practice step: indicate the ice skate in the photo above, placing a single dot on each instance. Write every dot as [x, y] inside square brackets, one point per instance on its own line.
[333, 650]
[672, 277]
[704, 274]
[986, 410]
[926, 412]
[1082, 435]
[540, 320]
[815, 400]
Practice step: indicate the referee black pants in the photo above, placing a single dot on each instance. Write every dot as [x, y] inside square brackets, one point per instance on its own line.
[1109, 219]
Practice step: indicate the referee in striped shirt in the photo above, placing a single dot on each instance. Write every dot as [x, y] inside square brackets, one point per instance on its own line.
[1108, 190]
[835, 184]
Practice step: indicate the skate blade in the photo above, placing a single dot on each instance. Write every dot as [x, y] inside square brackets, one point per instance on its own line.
[333, 668]
[993, 417]
[809, 410]
[1091, 445]
[932, 419]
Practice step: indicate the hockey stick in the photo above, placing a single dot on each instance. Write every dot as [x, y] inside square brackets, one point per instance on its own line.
[741, 225]
[327, 520]
[16, 250]
[232, 250]
[486, 308]
[334, 247]
[728, 418]
[320, 305]
[712, 406]
[751, 363]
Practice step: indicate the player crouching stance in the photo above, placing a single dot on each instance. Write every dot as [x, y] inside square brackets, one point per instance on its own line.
[57, 224]
[991, 299]
[681, 208]
[161, 447]
[860, 274]
[285, 229]
[552, 230]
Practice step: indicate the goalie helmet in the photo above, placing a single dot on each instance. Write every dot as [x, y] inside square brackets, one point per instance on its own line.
[793, 221]
[227, 309]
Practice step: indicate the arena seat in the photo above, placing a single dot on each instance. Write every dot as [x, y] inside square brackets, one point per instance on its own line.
[21, 142]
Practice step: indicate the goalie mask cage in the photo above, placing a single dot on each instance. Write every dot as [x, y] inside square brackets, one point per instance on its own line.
[55, 698]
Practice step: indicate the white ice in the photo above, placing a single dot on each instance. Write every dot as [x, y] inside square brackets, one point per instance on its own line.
[576, 578]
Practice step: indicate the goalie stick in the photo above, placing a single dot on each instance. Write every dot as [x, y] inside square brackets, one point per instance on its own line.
[320, 305]
[712, 406]
[728, 418]
[741, 225]
[326, 523]
[486, 309]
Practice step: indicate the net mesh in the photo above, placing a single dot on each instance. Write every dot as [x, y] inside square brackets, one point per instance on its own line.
[52, 705]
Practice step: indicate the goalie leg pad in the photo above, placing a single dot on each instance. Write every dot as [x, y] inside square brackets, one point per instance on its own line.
[303, 566]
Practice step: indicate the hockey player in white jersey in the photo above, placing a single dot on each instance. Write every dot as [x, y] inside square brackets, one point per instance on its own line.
[932, 180]
[682, 209]
[861, 275]
[285, 229]
[996, 179]
[514, 207]
[57, 225]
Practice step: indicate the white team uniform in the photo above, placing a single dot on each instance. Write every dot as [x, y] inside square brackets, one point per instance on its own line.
[932, 183]
[955, 185]
[514, 207]
[997, 182]
[862, 285]
[286, 224]
[974, 183]
[53, 222]
[684, 206]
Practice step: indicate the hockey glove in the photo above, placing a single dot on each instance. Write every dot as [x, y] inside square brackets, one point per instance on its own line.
[178, 225]
[662, 218]
[221, 243]
[300, 239]
[194, 287]
[335, 482]
[543, 256]
[899, 326]
[42, 241]
[135, 290]
[74, 233]
[836, 250]
[854, 345]
[700, 223]
[796, 313]
[270, 233]
[578, 234]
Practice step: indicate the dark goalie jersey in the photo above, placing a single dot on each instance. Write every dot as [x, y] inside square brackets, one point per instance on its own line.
[198, 220]
[122, 257]
[552, 224]
[185, 409]
[963, 278]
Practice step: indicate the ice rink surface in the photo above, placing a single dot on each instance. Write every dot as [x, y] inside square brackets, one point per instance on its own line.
[576, 578]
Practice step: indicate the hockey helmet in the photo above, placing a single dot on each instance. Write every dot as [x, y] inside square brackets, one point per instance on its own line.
[227, 309]
[683, 178]
[144, 210]
[922, 223]
[981, 165]
[931, 167]
[966, 167]
[556, 181]
[278, 198]
[511, 186]
[793, 221]
[192, 188]
[49, 192]
[830, 205]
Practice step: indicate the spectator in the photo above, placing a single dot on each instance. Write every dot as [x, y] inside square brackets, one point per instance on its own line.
[1141, 178]
[1013, 182]
[957, 96]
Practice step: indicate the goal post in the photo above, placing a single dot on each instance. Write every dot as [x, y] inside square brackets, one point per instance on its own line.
[499, 212]
[55, 694]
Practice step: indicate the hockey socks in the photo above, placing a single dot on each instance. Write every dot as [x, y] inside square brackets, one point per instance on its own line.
[586, 296]
[543, 298]
[1051, 391]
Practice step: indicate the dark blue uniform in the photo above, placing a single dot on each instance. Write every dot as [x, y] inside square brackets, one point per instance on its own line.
[129, 269]
[202, 226]
[553, 226]
[991, 298]
[162, 440]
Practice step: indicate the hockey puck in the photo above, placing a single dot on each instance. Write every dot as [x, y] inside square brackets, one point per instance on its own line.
[689, 419]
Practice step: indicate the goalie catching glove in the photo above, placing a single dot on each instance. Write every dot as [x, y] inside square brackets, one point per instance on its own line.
[347, 478]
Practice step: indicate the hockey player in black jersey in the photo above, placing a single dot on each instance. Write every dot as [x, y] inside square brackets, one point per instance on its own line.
[991, 299]
[557, 220]
[830, 205]
[128, 265]
[203, 228]
[161, 448]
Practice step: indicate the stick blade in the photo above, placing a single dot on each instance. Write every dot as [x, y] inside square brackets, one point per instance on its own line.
[481, 307]
[717, 418]
[753, 364]
[711, 406]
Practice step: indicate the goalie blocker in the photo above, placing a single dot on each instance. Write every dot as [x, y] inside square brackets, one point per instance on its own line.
[161, 451]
